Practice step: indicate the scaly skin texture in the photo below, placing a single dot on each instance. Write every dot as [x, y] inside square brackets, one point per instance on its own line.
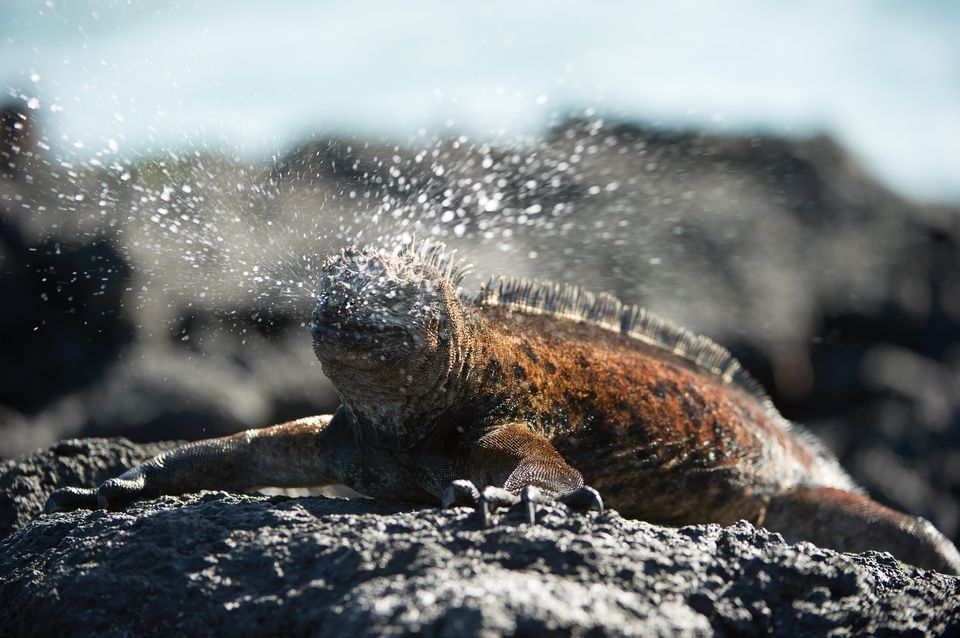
[644, 428]
[524, 389]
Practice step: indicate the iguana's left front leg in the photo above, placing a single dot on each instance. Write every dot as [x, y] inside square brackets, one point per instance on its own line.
[286, 455]
[518, 466]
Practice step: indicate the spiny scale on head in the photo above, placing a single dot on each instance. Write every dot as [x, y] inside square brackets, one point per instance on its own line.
[428, 258]
[434, 254]
[607, 312]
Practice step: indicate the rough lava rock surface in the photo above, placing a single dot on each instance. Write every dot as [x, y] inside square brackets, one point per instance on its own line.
[255, 565]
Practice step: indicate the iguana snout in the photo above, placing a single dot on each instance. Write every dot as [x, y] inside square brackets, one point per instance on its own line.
[383, 329]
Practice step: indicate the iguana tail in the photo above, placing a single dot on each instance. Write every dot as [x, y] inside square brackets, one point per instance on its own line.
[850, 522]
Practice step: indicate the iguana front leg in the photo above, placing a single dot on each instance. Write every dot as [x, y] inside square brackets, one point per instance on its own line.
[286, 455]
[518, 466]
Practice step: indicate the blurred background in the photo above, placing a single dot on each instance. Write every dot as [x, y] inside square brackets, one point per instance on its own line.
[783, 178]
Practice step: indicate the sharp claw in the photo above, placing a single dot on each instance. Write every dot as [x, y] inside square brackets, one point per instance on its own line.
[460, 493]
[530, 496]
[584, 498]
[492, 499]
[484, 513]
[531, 507]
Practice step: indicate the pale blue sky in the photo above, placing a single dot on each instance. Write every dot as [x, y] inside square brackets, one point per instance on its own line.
[255, 77]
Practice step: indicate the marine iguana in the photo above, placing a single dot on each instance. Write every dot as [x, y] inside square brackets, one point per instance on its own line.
[527, 390]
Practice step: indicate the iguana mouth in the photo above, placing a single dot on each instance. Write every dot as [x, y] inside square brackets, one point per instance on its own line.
[340, 332]
[348, 334]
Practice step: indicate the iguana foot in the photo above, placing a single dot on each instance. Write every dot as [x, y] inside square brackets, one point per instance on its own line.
[491, 499]
[113, 494]
[71, 498]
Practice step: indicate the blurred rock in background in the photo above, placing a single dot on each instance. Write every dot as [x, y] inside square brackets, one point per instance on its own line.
[169, 299]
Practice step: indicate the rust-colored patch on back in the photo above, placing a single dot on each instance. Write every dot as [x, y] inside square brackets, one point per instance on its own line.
[659, 438]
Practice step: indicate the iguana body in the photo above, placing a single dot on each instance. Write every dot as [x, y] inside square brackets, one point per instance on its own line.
[534, 385]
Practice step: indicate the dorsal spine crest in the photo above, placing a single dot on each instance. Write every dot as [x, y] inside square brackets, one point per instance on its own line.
[605, 311]
[435, 255]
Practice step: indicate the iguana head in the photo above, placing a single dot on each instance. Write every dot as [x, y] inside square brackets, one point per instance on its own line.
[388, 330]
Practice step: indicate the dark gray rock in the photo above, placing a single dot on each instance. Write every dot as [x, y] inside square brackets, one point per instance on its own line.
[218, 563]
[63, 314]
